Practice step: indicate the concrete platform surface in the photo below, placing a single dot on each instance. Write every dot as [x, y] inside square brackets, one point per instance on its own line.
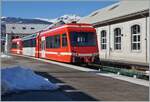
[75, 85]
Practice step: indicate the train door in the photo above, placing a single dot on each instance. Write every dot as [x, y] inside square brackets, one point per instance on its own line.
[43, 47]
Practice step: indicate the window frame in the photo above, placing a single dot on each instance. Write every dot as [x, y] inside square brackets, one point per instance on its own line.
[135, 35]
[117, 36]
[80, 39]
[51, 41]
[104, 40]
[64, 39]
[29, 42]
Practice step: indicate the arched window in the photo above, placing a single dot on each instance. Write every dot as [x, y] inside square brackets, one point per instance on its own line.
[103, 40]
[135, 37]
[117, 39]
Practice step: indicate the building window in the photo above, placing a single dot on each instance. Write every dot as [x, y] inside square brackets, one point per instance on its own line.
[13, 28]
[103, 39]
[117, 39]
[32, 28]
[23, 28]
[135, 37]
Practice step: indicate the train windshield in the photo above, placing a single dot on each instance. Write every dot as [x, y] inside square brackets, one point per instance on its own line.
[83, 38]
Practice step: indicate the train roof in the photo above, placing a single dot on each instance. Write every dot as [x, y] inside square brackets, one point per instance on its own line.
[16, 39]
[72, 25]
[29, 37]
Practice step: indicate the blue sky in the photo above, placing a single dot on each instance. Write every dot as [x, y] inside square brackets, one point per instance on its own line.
[50, 9]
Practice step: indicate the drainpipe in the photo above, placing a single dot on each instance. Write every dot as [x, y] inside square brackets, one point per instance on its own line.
[109, 49]
[146, 52]
[6, 43]
[146, 41]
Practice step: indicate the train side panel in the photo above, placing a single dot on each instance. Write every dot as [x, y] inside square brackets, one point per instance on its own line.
[61, 53]
[29, 45]
[28, 51]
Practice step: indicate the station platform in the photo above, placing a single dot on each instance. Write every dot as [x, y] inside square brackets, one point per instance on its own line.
[75, 85]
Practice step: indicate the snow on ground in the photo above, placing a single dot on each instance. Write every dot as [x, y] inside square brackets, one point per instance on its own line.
[126, 78]
[4, 56]
[17, 78]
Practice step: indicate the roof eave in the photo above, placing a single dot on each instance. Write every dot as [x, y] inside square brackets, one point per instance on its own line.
[141, 13]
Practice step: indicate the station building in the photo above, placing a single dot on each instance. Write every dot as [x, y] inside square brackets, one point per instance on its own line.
[123, 31]
[16, 30]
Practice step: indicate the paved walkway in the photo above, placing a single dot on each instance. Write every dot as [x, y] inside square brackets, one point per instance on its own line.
[77, 85]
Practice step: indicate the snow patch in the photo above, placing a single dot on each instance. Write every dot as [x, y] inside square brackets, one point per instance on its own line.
[18, 78]
[5, 56]
[67, 18]
[3, 17]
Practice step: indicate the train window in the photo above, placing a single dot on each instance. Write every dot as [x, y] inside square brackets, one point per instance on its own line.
[33, 42]
[53, 41]
[49, 42]
[29, 43]
[14, 45]
[117, 39]
[64, 40]
[43, 45]
[83, 38]
[26, 43]
[48, 39]
[56, 41]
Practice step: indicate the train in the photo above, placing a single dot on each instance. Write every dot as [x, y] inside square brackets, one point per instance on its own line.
[69, 43]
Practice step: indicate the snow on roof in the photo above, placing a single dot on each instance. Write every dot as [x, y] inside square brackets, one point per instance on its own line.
[122, 8]
[25, 28]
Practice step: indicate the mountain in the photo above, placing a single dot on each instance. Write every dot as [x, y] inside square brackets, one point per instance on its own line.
[52, 22]
[61, 20]
[23, 21]
[65, 18]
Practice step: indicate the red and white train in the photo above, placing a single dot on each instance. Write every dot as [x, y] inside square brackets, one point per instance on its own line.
[67, 43]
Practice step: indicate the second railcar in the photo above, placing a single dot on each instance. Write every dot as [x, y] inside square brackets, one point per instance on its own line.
[16, 46]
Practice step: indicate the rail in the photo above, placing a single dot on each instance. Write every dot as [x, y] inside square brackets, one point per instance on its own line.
[121, 71]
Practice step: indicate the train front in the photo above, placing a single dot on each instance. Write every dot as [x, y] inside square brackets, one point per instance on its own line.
[83, 42]
[16, 47]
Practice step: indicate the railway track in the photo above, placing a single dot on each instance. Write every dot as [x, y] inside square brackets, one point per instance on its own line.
[136, 73]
